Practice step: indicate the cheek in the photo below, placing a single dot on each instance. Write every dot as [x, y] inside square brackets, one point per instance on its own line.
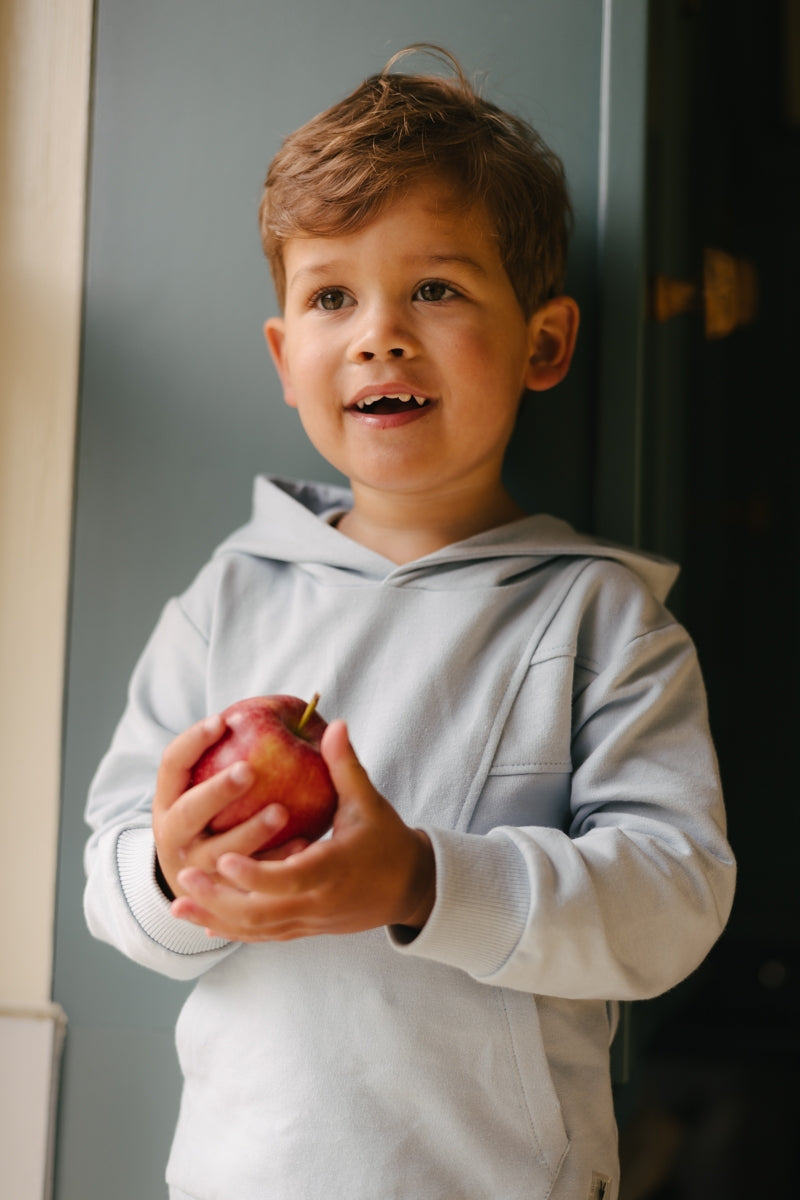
[302, 375]
[317, 405]
[312, 365]
[487, 364]
[468, 350]
[491, 344]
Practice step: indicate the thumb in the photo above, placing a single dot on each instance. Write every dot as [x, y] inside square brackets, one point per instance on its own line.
[349, 777]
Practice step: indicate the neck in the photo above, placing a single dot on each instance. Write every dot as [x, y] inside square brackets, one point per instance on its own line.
[404, 529]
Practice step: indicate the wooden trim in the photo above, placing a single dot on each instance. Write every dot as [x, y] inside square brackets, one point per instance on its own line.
[45, 58]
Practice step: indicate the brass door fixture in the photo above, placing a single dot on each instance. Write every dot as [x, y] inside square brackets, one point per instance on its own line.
[728, 294]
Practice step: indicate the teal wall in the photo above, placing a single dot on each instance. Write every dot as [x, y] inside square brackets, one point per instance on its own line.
[180, 408]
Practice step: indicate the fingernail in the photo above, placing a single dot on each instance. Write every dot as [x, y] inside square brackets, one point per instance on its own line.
[193, 879]
[228, 864]
[241, 773]
[274, 815]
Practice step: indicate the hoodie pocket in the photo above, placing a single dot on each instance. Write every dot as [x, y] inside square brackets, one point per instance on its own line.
[534, 1080]
[530, 777]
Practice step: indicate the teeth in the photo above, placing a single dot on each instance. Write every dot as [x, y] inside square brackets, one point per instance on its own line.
[404, 397]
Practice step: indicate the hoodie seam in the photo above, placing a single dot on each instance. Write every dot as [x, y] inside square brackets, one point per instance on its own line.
[201, 633]
[597, 667]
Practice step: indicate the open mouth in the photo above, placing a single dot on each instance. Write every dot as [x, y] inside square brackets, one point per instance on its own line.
[403, 402]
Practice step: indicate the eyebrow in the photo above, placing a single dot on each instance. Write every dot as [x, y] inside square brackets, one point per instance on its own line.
[317, 271]
[463, 260]
[326, 270]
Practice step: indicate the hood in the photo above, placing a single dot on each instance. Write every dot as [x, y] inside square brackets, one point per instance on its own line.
[293, 522]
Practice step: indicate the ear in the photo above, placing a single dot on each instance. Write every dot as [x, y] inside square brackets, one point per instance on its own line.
[275, 336]
[553, 330]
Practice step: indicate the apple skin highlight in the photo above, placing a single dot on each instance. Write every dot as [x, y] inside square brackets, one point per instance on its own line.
[265, 732]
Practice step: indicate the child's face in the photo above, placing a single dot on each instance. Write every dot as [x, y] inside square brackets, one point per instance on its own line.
[415, 304]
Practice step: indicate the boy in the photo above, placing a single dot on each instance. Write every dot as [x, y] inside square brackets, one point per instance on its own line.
[421, 1004]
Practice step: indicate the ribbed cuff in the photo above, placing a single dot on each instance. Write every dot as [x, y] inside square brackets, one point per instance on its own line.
[136, 858]
[482, 904]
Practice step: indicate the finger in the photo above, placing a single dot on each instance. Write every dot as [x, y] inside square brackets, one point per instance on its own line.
[195, 902]
[181, 755]
[232, 929]
[202, 898]
[247, 873]
[250, 836]
[243, 840]
[296, 869]
[228, 911]
[191, 813]
[186, 908]
[283, 851]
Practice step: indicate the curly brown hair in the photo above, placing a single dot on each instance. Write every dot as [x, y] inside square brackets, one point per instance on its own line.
[335, 174]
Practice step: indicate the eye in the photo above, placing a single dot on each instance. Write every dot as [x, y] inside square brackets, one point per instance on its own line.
[331, 299]
[434, 290]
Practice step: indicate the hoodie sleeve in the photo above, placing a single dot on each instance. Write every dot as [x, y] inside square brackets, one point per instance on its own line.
[627, 898]
[123, 902]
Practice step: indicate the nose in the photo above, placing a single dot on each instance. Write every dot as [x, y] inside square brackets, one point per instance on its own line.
[382, 332]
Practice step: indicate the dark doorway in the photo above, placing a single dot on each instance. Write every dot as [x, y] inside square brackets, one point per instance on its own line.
[712, 1106]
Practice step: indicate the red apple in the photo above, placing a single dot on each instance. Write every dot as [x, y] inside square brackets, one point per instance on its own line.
[279, 737]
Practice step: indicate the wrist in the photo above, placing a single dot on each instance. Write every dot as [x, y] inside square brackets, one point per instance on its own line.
[422, 891]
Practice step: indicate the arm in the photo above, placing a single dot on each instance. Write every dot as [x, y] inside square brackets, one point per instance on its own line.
[628, 900]
[124, 904]
[142, 814]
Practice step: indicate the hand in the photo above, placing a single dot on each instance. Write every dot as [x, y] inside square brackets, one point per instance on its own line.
[374, 870]
[181, 813]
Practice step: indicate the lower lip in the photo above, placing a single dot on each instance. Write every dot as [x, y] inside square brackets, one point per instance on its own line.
[389, 420]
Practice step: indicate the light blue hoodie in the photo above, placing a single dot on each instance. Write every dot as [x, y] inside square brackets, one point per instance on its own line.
[525, 698]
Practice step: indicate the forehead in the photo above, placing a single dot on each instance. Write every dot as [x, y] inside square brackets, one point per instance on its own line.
[427, 221]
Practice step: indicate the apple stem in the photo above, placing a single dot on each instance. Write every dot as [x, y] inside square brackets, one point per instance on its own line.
[312, 704]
